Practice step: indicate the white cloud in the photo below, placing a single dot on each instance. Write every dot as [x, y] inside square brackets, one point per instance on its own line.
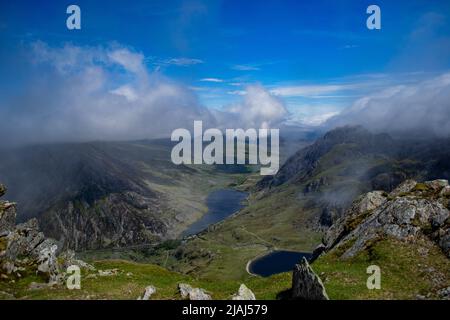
[422, 108]
[126, 91]
[84, 96]
[183, 62]
[217, 80]
[258, 109]
[310, 90]
[242, 67]
[131, 61]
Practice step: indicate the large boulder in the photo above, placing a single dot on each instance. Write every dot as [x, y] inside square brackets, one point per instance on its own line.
[187, 291]
[148, 292]
[244, 293]
[306, 284]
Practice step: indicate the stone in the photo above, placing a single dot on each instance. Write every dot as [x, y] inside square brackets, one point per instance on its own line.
[187, 291]
[404, 217]
[184, 290]
[444, 293]
[108, 272]
[244, 293]
[24, 249]
[2, 190]
[68, 259]
[47, 260]
[148, 292]
[404, 187]
[437, 185]
[306, 284]
[361, 207]
[7, 216]
[445, 192]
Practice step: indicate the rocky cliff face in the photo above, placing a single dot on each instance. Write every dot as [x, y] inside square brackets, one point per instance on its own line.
[24, 250]
[119, 219]
[411, 212]
[93, 195]
[349, 161]
[300, 167]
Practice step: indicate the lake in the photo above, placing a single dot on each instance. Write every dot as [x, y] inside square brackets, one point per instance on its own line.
[221, 204]
[276, 262]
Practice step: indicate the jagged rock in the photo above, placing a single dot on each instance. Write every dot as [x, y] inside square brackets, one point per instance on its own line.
[404, 187]
[108, 272]
[187, 291]
[412, 210]
[445, 192]
[47, 261]
[306, 284]
[23, 248]
[67, 259]
[362, 205]
[437, 185]
[444, 293]
[7, 216]
[244, 293]
[2, 190]
[148, 292]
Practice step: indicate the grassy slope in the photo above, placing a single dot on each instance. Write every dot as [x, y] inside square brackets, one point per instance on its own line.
[130, 286]
[406, 271]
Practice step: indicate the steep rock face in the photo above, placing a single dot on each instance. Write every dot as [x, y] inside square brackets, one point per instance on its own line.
[94, 195]
[349, 161]
[23, 248]
[411, 211]
[301, 165]
[306, 285]
[116, 220]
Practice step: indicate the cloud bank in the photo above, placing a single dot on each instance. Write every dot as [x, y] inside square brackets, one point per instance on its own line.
[74, 93]
[421, 109]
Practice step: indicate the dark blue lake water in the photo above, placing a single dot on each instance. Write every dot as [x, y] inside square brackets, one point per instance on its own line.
[276, 262]
[221, 204]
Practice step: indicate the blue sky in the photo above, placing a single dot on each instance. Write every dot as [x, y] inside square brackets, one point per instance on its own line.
[317, 56]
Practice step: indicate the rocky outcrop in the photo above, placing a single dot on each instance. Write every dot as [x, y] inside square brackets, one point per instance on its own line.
[306, 284]
[25, 250]
[300, 166]
[188, 292]
[7, 213]
[115, 220]
[244, 293]
[410, 211]
[148, 292]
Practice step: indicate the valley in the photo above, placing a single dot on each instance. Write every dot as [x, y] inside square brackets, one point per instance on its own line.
[292, 211]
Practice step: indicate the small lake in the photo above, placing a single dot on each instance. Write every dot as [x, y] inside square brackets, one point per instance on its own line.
[221, 204]
[276, 262]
